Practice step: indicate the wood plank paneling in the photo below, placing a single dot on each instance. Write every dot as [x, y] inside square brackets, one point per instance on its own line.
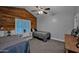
[8, 15]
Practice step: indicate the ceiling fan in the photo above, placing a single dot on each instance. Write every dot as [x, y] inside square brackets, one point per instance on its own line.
[40, 10]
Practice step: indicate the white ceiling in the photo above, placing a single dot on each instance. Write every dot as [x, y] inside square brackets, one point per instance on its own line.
[55, 9]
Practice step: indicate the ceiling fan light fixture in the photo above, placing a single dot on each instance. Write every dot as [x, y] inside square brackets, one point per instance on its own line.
[40, 12]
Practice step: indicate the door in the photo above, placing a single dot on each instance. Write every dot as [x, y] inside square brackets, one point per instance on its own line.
[19, 26]
[22, 26]
[27, 25]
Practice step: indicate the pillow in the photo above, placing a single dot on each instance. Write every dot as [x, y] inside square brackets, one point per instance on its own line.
[32, 30]
[13, 32]
[36, 29]
[26, 34]
[2, 33]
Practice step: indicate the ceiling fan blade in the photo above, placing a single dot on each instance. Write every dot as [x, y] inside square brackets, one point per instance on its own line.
[47, 8]
[34, 10]
[36, 6]
[44, 12]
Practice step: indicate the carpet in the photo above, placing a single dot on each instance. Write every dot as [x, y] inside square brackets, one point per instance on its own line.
[51, 46]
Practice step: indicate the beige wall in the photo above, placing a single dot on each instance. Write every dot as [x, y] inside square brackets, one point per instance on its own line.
[59, 24]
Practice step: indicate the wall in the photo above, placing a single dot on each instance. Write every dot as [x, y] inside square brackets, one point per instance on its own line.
[77, 13]
[57, 25]
[8, 15]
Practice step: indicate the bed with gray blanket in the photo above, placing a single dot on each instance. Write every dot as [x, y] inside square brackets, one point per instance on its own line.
[42, 35]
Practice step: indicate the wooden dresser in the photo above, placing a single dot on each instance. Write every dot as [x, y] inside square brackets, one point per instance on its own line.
[70, 43]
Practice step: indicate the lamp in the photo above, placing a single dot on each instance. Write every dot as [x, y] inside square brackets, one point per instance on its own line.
[2, 28]
[76, 18]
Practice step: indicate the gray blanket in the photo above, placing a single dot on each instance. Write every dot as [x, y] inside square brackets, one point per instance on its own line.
[42, 34]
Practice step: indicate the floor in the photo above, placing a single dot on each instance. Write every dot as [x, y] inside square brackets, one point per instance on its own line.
[51, 46]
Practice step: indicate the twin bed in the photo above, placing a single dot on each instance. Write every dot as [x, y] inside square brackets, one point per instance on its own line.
[42, 35]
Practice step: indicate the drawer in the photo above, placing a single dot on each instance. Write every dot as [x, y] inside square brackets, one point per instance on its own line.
[70, 43]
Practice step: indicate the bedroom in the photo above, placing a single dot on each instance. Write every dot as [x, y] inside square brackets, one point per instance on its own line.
[56, 20]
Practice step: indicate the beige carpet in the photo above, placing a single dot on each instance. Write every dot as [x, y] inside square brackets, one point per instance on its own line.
[51, 46]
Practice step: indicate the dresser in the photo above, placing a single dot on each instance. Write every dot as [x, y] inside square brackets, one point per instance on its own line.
[70, 43]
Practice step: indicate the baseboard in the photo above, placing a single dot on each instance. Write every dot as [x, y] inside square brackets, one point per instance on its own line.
[57, 39]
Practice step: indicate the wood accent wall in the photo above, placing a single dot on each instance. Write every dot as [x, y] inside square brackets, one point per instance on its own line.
[8, 15]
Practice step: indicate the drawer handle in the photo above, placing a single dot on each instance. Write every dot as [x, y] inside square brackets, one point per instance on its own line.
[77, 45]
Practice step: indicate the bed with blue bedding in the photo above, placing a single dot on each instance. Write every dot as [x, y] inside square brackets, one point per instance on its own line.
[14, 44]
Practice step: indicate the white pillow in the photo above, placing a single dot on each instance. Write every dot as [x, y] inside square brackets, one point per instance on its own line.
[27, 34]
[13, 32]
[1, 33]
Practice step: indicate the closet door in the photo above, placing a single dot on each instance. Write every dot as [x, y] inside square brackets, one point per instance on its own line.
[22, 26]
[19, 26]
[26, 25]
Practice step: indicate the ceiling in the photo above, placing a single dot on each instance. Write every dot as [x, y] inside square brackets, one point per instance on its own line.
[55, 9]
